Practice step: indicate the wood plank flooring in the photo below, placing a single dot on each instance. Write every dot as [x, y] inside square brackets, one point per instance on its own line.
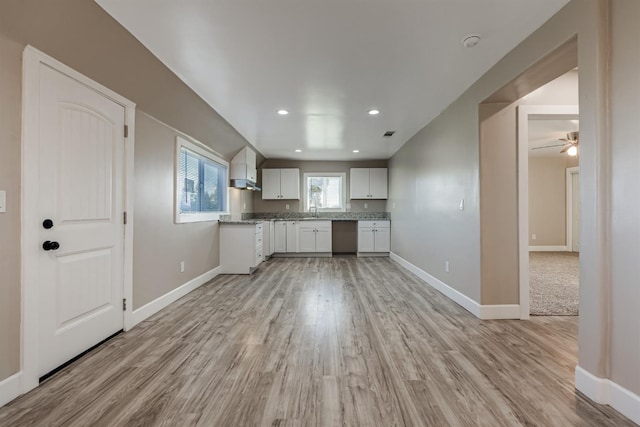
[321, 342]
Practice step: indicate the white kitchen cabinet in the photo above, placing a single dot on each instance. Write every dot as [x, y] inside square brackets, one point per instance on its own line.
[292, 236]
[241, 247]
[368, 183]
[243, 165]
[280, 237]
[374, 237]
[314, 236]
[286, 237]
[268, 238]
[281, 184]
[272, 233]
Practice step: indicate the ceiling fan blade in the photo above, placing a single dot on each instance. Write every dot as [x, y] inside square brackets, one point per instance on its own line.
[548, 146]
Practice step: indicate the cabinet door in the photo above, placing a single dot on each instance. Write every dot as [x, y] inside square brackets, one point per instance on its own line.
[323, 240]
[271, 184]
[378, 183]
[306, 239]
[280, 237]
[365, 240]
[382, 238]
[272, 243]
[290, 183]
[292, 236]
[359, 183]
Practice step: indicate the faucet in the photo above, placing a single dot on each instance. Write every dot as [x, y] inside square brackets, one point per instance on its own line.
[315, 212]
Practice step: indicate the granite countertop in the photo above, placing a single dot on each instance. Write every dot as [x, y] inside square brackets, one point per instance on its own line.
[328, 219]
[240, 222]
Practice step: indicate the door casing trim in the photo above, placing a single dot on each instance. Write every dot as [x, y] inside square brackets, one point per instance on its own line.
[29, 342]
[569, 204]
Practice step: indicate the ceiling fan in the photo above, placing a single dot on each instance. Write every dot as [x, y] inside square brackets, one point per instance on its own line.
[570, 145]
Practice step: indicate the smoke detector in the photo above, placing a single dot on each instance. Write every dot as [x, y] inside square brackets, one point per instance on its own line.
[471, 40]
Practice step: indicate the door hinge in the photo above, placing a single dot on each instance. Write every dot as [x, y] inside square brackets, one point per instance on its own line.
[125, 217]
[124, 304]
[126, 131]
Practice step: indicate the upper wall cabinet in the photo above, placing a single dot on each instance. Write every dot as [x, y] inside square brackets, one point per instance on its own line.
[280, 184]
[368, 183]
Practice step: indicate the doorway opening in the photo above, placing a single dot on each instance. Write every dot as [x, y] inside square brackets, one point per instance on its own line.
[553, 212]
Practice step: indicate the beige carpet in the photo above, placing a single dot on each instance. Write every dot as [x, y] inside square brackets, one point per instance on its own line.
[553, 282]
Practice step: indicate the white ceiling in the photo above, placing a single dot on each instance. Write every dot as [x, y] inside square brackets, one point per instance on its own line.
[328, 62]
[546, 132]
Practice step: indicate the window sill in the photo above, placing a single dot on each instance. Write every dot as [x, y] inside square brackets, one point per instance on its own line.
[185, 218]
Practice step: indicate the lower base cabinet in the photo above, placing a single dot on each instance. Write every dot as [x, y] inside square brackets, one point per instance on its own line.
[314, 236]
[241, 247]
[374, 237]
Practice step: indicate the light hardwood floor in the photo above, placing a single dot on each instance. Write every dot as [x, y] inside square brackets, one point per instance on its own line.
[321, 342]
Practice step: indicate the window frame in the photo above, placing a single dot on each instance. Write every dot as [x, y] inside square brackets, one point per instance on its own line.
[343, 201]
[206, 152]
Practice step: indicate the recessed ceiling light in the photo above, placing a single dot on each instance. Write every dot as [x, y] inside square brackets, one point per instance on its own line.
[298, 151]
[374, 112]
[356, 151]
[283, 112]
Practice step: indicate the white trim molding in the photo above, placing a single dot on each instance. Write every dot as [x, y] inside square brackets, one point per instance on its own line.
[484, 312]
[548, 249]
[10, 388]
[158, 304]
[606, 392]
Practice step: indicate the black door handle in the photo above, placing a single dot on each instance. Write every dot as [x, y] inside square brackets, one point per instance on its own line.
[50, 246]
[47, 224]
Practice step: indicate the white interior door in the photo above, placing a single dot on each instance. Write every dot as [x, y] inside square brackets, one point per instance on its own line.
[81, 190]
[575, 212]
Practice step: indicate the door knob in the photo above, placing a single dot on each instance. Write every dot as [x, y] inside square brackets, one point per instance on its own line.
[47, 224]
[50, 246]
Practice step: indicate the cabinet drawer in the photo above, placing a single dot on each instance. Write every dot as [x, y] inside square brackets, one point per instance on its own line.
[259, 228]
[258, 239]
[376, 224]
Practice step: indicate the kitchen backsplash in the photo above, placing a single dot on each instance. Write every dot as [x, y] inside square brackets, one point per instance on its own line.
[300, 215]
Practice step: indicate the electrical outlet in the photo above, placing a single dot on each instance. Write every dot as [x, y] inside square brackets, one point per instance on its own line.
[244, 206]
[366, 205]
[446, 266]
[181, 266]
[286, 206]
[393, 205]
[3, 201]
[534, 236]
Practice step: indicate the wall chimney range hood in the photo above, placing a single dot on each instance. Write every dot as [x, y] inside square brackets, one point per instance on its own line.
[242, 171]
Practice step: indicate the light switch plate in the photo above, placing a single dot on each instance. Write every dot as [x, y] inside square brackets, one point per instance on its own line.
[3, 201]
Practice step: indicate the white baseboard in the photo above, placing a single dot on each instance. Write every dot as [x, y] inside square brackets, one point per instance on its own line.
[548, 249]
[10, 388]
[484, 312]
[158, 304]
[606, 392]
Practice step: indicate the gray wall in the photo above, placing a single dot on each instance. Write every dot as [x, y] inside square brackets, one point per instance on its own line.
[441, 164]
[307, 166]
[10, 134]
[81, 35]
[625, 204]
[548, 199]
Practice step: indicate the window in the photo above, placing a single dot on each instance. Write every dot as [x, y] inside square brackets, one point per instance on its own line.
[324, 191]
[201, 183]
